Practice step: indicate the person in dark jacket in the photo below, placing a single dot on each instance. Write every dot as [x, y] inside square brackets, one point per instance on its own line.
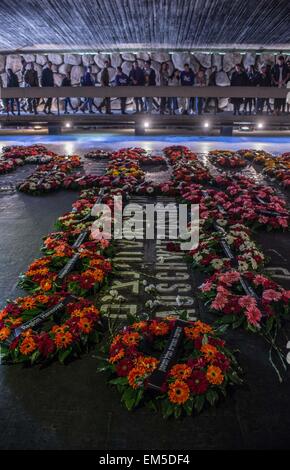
[31, 80]
[47, 80]
[280, 77]
[137, 78]
[66, 81]
[150, 80]
[164, 80]
[239, 78]
[212, 82]
[12, 82]
[122, 79]
[263, 80]
[105, 81]
[187, 79]
[252, 81]
[88, 80]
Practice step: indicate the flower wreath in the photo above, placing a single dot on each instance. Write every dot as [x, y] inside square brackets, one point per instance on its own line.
[210, 255]
[204, 370]
[264, 304]
[79, 327]
[227, 159]
[89, 272]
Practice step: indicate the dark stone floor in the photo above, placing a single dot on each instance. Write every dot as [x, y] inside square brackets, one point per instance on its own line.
[71, 407]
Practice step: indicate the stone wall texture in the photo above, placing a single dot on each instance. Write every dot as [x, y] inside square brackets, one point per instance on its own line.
[76, 63]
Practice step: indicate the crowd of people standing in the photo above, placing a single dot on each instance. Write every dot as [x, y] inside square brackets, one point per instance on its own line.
[277, 75]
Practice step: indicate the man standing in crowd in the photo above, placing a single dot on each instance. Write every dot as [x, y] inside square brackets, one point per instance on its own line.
[252, 81]
[150, 80]
[31, 80]
[239, 78]
[186, 79]
[12, 82]
[212, 82]
[66, 81]
[122, 79]
[47, 80]
[105, 81]
[137, 78]
[263, 80]
[87, 80]
[280, 76]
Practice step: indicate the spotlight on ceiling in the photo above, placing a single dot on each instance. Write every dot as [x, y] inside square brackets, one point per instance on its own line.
[245, 128]
[146, 124]
[67, 125]
[206, 124]
[37, 127]
[260, 125]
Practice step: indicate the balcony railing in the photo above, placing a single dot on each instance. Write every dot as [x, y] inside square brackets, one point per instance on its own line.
[145, 91]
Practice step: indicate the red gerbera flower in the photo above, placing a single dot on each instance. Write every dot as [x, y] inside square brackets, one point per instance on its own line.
[123, 367]
[197, 383]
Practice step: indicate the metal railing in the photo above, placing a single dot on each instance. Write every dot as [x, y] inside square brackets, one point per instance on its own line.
[144, 91]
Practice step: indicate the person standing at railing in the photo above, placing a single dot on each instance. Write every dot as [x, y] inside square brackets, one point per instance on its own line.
[164, 79]
[66, 81]
[174, 80]
[105, 82]
[87, 80]
[47, 80]
[200, 81]
[12, 82]
[122, 79]
[137, 78]
[31, 80]
[263, 80]
[186, 79]
[212, 82]
[150, 80]
[252, 81]
[239, 78]
[280, 76]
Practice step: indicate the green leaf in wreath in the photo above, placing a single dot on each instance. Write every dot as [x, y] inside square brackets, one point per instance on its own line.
[62, 355]
[199, 403]
[212, 396]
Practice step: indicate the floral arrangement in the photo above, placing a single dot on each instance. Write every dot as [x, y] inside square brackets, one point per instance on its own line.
[79, 181]
[204, 370]
[261, 302]
[7, 165]
[210, 256]
[50, 176]
[227, 159]
[178, 152]
[88, 273]
[80, 324]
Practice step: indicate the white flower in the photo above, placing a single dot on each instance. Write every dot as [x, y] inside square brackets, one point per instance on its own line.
[217, 263]
[178, 301]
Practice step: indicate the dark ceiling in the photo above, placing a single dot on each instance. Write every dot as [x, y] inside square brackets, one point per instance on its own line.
[143, 24]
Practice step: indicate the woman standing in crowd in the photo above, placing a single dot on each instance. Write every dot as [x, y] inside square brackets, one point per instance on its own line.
[66, 81]
[252, 81]
[174, 80]
[164, 79]
[150, 80]
[47, 80]
[200, 81]
[212, 82]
